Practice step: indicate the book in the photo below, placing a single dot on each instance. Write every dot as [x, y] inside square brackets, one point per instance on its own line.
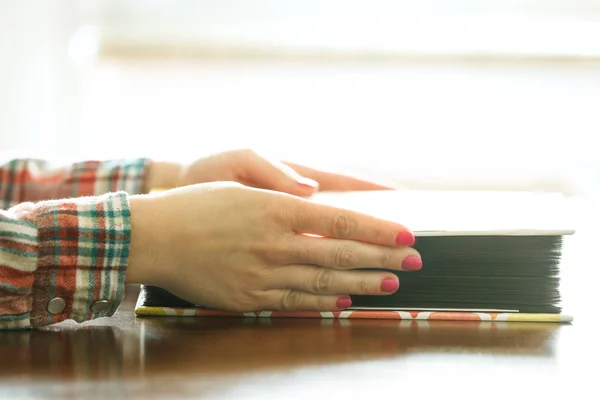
[488, 256]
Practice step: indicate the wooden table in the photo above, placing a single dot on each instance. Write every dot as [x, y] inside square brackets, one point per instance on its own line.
[125, 356]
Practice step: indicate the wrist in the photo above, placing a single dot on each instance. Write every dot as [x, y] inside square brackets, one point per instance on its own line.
[163, 175]
[141, 268]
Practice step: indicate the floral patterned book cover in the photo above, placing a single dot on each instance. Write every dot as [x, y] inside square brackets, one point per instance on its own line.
[159, 303]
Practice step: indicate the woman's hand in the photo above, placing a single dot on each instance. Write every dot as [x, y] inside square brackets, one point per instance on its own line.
[231, 247]
[251, 169]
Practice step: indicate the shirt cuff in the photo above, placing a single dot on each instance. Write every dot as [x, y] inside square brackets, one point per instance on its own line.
[113, 176]
[82, 260]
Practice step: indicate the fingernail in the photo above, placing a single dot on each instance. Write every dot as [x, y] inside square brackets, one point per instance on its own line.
[344, 302]
[307, 182]
[389, 285]
[405, 239]
[412, 263]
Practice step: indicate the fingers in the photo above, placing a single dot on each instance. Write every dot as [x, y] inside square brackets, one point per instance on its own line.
[294, 300]
[325, 281]
[348, 254]
[333, 181]
[261, 172]
[311, 218]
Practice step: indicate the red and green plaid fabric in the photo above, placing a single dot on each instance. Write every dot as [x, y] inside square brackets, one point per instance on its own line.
[75, 248]
[36, 180]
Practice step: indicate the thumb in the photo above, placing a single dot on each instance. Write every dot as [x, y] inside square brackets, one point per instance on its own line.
[275, 175]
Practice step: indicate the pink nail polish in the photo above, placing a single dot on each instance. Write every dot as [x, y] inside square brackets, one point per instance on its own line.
[412, 263]
[307, 182]
[344, 302]
[389, 285]
[405, 239]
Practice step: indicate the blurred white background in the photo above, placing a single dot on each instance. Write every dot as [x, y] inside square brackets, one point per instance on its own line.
[501, 94]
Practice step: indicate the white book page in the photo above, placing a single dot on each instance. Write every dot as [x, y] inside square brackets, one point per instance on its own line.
[448, 213]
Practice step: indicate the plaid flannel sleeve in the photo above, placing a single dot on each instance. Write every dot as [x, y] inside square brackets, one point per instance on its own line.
[64, 259]
[23, 180]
